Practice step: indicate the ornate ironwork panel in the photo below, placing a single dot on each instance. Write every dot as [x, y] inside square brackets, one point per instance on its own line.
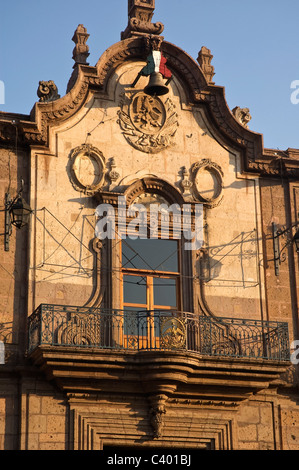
[83, 327]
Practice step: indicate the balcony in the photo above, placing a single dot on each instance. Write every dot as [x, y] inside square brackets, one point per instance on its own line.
[56, 325]
[90, 348]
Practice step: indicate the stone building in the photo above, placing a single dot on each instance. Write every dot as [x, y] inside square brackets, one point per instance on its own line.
[182, 337]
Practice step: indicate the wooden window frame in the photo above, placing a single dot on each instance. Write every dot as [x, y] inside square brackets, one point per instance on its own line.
[150, 306]
[149, 274]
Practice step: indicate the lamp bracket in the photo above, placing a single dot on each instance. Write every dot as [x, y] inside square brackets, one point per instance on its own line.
[8, 206]
[280, 253]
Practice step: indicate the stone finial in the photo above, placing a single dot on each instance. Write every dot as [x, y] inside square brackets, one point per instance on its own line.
[242, 115]
[204, 59]
[47, 91]
[186, 184]
[113, 174]
[140, 16]
[81, 50]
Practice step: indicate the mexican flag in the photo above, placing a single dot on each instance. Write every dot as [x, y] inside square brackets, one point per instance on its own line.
[156, 62]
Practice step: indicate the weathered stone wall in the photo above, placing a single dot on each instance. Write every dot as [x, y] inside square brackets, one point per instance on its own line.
[13, 263]
[42, 420]
[9, 414]
[33, 415]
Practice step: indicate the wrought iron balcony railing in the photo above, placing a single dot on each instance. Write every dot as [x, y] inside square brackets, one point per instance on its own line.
[128, 330]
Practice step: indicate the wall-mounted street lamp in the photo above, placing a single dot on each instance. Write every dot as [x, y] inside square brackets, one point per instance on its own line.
[17, 213]
[279, 253]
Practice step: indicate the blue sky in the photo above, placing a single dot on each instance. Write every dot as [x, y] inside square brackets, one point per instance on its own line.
[255, 48]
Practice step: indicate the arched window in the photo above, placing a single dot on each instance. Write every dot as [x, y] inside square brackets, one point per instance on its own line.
[150, 269]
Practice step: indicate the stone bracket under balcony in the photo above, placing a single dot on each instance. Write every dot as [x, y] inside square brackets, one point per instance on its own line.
[174, 374]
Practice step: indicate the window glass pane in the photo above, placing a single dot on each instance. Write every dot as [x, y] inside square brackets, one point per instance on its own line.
[150, 254]
[134, 289]
[165, 292]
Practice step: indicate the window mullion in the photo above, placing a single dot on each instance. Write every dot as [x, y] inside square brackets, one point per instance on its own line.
[150, 292]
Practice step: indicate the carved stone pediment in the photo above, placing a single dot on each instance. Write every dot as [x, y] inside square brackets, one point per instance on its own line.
[33, 130]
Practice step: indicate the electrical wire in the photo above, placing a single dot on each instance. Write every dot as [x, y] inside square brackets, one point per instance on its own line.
[152, 271]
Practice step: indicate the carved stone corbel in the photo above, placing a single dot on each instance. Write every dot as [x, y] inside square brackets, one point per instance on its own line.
[153, 43]
[157, 414]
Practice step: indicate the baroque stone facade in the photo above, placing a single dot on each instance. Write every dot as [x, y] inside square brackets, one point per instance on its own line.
[214, 370]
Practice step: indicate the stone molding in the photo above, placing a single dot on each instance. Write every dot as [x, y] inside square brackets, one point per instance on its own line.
[90, 414]
[85, 370]
[156, 186]
[216, 172]
[96, 159]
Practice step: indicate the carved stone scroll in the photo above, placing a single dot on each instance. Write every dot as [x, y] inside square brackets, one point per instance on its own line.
[242, 115]
[47, 91]
[98, 294]
[140, 14]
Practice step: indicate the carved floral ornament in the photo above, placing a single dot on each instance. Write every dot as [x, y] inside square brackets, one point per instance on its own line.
[148, 123]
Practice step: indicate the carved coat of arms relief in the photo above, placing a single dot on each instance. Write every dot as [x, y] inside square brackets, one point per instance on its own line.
[148, 123]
